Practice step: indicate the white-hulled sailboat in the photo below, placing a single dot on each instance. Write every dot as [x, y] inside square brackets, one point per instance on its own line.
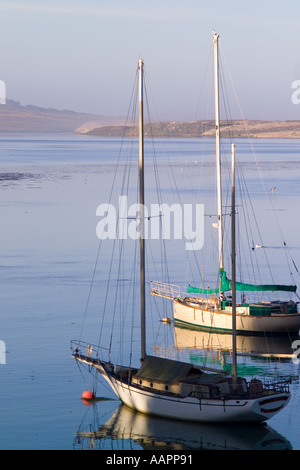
[179, 390]
[211, 308]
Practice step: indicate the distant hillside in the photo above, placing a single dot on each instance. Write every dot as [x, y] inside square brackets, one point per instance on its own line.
[15, 117]
[235, 129]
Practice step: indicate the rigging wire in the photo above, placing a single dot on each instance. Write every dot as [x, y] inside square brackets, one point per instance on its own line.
[158, 193]
[284, 245]
[120, 283]
[100, 243]
[118, 301]
[265, 191]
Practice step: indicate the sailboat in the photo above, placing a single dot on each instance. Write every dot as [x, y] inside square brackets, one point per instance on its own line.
[212, 309]
[175, 389]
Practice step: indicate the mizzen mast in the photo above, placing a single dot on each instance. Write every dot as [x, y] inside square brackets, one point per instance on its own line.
[233, 261]
[218, 158]
[141, 207]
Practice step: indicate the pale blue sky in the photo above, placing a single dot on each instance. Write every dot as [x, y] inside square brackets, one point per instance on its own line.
[82, 54]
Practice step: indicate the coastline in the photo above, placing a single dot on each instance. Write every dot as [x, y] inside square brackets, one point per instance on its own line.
[195, 129]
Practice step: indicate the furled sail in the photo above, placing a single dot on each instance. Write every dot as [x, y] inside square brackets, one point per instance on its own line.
[226, 285]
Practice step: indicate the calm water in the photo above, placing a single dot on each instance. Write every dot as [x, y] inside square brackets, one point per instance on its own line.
[50, 187]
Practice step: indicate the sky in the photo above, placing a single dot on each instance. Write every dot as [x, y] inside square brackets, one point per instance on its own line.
[82, 54]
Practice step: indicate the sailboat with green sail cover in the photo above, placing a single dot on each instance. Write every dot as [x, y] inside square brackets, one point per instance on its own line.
[215, 313]
[211, 308]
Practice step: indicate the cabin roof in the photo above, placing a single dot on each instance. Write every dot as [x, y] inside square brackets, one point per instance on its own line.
[164, 370]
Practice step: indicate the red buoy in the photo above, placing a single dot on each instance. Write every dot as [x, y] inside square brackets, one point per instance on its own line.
[87, 395]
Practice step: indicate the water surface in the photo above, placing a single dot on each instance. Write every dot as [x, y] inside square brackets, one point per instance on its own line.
[50, 187]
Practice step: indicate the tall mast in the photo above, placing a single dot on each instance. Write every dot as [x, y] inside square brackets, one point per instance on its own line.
[142, 218]
[218, 158]
[233, 256]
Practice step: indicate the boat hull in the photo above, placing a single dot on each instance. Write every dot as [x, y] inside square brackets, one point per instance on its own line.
[197, 317]
[195, 409]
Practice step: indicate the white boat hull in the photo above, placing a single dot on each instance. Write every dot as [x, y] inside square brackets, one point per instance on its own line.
[219, 320]
[195, 409]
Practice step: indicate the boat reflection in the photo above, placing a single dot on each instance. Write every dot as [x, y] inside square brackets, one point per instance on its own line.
[259, 355]
[271, 347]
[256, 355]
[153, 433]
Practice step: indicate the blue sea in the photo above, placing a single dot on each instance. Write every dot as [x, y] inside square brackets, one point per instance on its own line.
[50, 188]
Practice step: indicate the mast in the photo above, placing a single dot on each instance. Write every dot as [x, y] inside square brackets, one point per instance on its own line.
[218, 158]
[142, 218]
[233, 256]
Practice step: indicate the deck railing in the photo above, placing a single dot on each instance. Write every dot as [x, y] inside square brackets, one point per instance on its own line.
[90, 350]
[163, 289]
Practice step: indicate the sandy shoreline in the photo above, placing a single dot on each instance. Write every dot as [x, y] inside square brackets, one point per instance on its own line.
[235, 129]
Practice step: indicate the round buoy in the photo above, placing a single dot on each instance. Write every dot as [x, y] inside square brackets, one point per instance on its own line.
[87, 395]
[166, 320]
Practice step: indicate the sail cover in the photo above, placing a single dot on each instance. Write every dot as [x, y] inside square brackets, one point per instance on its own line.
[226, 285]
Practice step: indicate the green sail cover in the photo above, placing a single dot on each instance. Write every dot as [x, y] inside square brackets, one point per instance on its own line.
[195, 290]
[226, 285]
